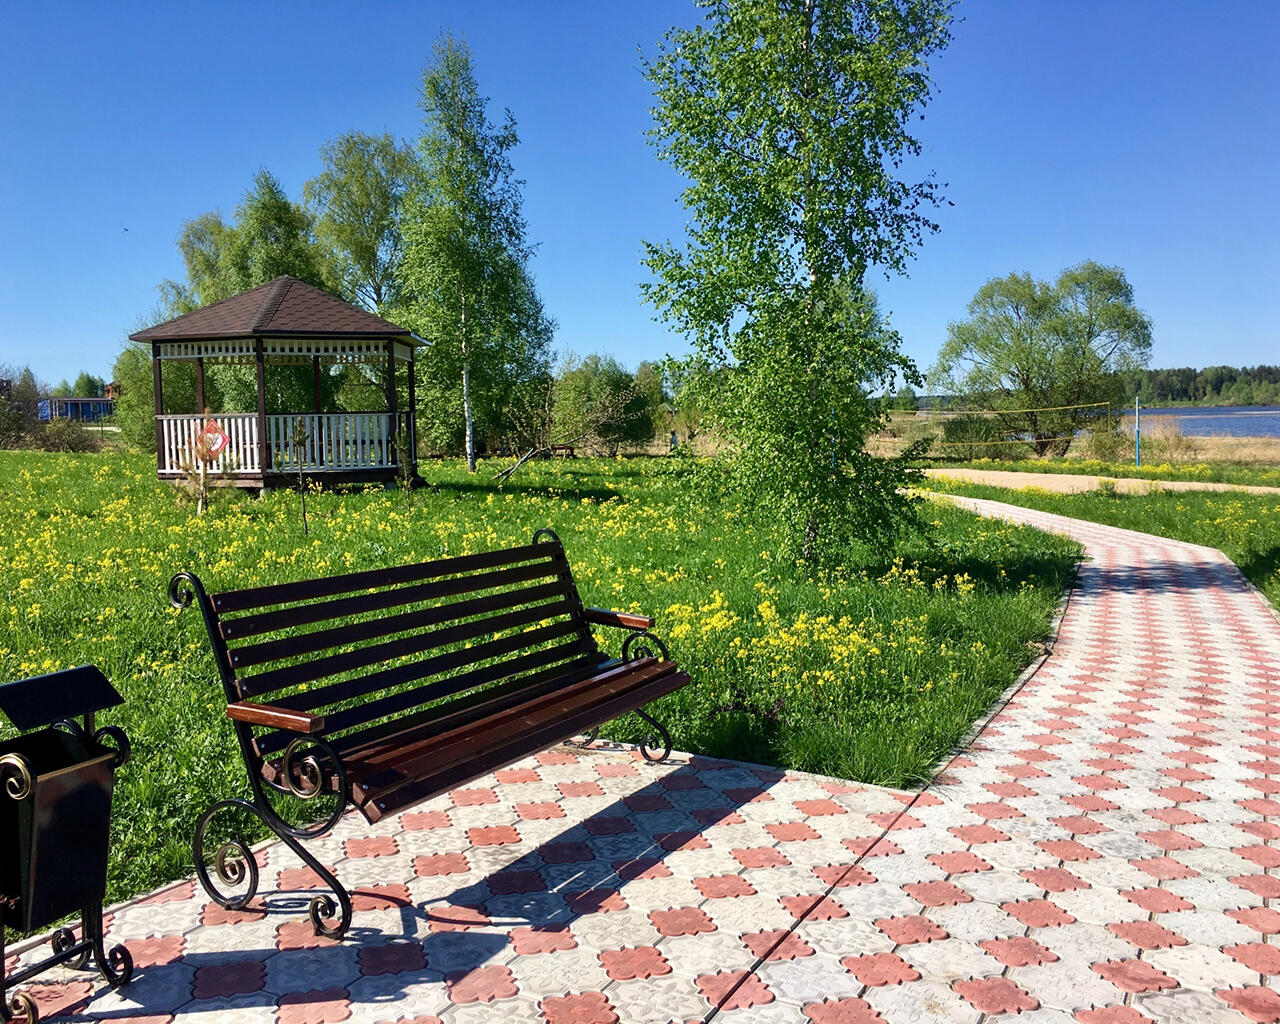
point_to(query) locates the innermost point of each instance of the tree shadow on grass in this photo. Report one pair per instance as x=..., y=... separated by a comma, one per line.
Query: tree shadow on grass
x=569, y=490
x=1261, y=566
x=992, y=574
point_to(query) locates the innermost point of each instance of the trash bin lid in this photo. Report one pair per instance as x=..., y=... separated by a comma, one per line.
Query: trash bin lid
x=42, y=700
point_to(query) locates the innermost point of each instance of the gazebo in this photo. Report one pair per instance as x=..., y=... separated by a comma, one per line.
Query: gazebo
x=286, y=322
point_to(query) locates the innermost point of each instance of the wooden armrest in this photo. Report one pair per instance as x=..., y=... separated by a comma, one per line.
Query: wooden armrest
x=276, y=718
x=626, y=620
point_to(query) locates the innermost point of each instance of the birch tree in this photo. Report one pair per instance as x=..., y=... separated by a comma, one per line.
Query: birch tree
x=791, y=122
x=465, y=265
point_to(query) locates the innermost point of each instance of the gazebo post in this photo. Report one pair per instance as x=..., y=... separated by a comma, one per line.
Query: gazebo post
x=200, y=402
x=264, y=446
x=413, y=415
x=315, y=438
x=392, y=400
x=158, y=385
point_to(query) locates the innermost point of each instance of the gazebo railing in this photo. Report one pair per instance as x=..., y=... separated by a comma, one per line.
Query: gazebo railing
x=335, y=442
x=240, y=457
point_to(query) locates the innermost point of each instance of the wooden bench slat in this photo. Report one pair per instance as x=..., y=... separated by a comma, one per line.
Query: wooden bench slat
x=369, y=751
x=558, y=665
x=563, y=659
x=248, y=626
x=367, y=765
x=375, y=654
x=304, y=590
x=509, y=740
x=372, y=629
x=367, y=746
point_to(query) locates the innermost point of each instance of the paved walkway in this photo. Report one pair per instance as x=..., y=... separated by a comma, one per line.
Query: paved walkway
x=1107, y=852
x=1075, y=483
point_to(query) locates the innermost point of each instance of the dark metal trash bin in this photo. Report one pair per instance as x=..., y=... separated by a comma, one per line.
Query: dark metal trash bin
x=55, y=822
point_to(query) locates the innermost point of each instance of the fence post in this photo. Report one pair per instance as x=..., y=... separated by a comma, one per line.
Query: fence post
x=1137, y=433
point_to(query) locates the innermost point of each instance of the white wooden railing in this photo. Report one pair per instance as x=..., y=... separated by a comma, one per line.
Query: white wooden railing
x=335, y=442
x=178, y=436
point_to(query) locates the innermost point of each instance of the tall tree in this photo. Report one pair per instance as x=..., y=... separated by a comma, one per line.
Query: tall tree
x=468, y=287
x=358, y=200
x=596, y=401
x=790, y=121
x=87, y=386
x=1037, y=353
x=20, y=410
x=272, y=235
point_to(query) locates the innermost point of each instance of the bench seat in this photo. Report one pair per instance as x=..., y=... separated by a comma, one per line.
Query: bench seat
x=384, y=688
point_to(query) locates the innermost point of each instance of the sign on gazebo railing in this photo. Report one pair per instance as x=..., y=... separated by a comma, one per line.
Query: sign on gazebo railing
x=336, y=442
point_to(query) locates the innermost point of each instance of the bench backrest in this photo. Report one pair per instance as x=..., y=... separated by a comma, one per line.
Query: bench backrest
x=373, y=650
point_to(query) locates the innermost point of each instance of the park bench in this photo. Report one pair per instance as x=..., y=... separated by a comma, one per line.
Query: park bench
x=383, y=688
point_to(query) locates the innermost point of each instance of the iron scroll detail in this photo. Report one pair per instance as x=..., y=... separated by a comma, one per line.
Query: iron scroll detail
x=18, y=778
x=113, y=738
x=642, y=645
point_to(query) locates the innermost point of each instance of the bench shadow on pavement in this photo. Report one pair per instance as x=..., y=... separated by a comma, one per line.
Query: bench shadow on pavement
x=569, y=876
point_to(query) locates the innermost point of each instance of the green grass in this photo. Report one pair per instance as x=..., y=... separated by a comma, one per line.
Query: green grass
x=1245, y=527
x=873, y=671
x=1212, y=472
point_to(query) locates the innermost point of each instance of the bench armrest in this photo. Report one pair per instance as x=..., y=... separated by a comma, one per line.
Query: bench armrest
x=276, y=718
x=624, y=620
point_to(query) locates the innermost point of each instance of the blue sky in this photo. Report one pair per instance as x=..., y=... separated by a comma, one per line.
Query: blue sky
x=1144, y=133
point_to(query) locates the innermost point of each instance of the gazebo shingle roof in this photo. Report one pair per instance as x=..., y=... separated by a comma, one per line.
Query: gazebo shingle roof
x=285, y=307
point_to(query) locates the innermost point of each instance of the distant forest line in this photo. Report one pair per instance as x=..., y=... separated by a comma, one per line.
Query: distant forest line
x=1214, y=385
x=1182, y=385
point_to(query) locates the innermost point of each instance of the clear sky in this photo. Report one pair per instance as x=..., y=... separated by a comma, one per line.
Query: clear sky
x=1143, y=133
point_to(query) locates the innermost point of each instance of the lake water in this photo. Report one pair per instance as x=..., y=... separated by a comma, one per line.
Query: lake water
x=1221, y=421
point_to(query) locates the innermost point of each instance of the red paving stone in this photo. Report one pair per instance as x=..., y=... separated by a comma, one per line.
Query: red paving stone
x=1107, y=851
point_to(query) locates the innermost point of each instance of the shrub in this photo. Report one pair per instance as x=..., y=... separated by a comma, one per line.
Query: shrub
x=1108, y=444
x=977, y=437
x=67, y=436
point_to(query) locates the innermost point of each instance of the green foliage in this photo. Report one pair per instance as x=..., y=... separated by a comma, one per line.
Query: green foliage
x=1108, y=443
x=905, y=400
x=66, y=435
x=88, y=386
x=271, y=236
x=136, y=406
x=977, y=437
x=61, y=390
x=1030, y=346
x=358, y=203
x=20, y=412
x=466, y=278
x=596, y=405
x=874, y=669
x=792, y=150
x=651, y=386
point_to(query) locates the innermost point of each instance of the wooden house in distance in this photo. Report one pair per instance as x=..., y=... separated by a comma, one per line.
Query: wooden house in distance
x=287, y=322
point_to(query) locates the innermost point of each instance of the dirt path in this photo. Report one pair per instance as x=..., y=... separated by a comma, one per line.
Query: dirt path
x=1073, y=483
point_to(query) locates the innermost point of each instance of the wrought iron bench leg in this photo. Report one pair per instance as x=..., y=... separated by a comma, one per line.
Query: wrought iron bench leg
x=234, y=865
x=663, y=737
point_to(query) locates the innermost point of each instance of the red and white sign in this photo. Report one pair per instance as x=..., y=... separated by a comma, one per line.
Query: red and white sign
x=213, y=439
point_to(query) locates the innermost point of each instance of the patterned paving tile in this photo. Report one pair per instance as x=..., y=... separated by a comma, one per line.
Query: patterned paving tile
x=1107, y=851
